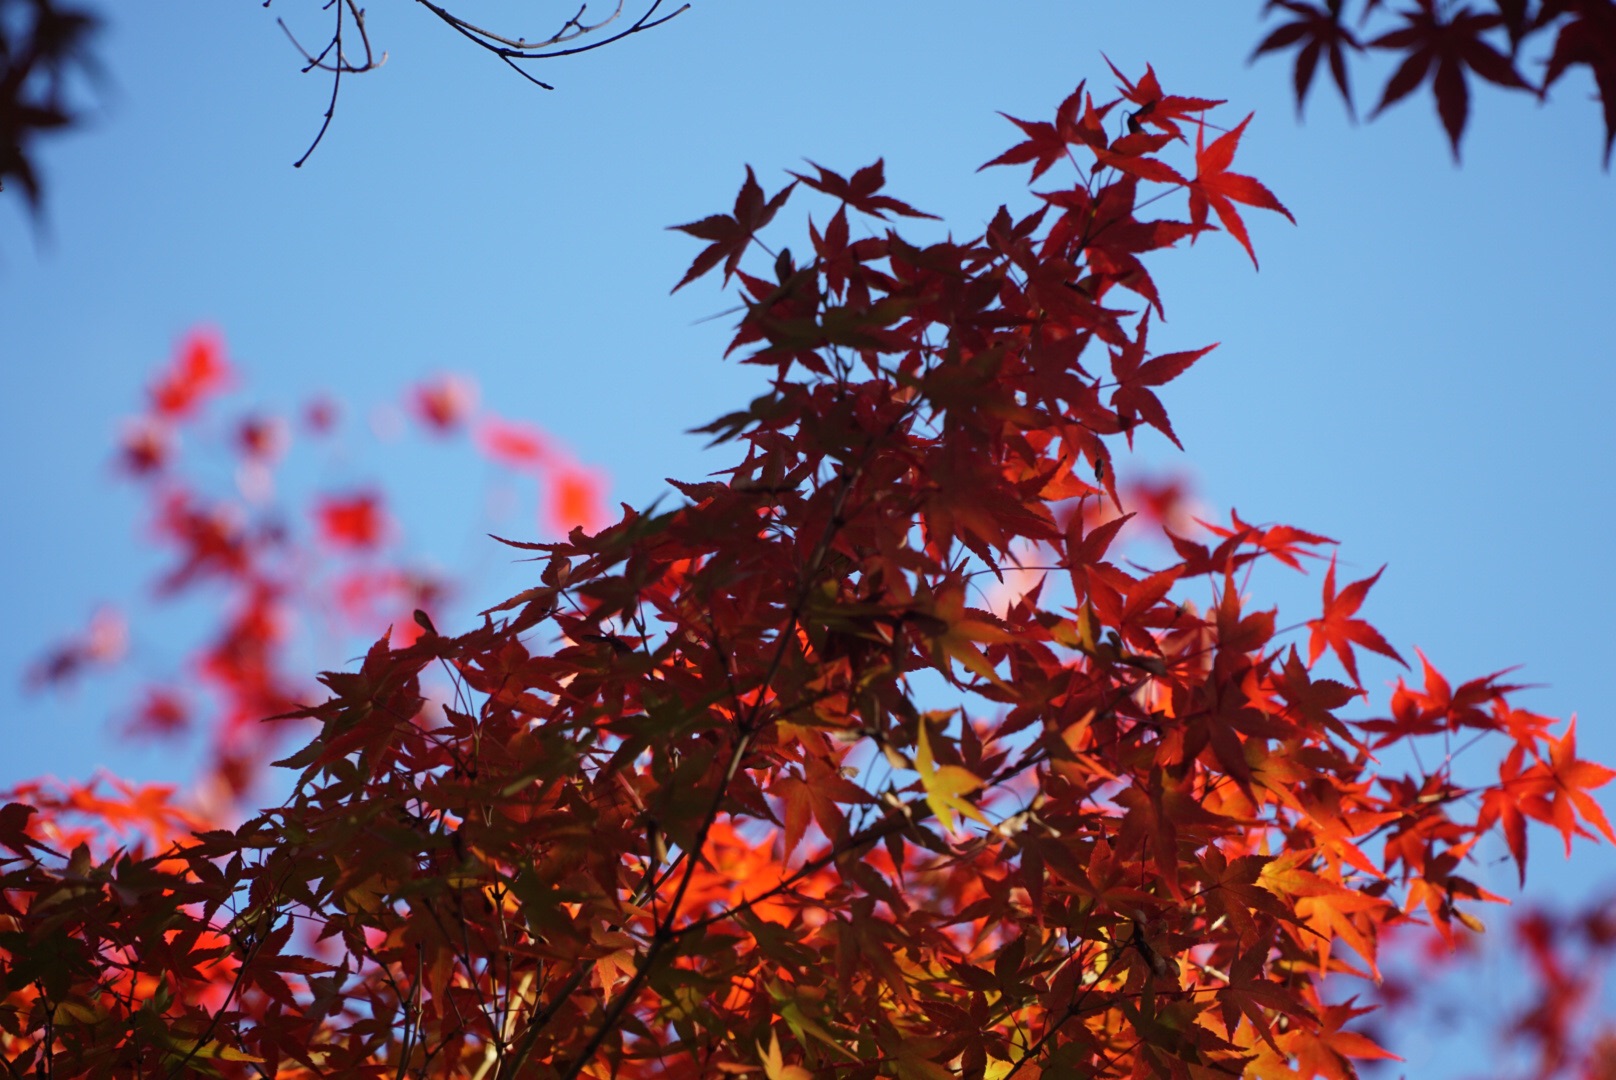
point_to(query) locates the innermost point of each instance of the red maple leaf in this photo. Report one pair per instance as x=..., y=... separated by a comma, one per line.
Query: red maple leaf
x=198, y=369
x=146, y=448
x=514, y=443
x=162, y=712
x=1284, y=542
x=1215, y=186
x=729, y=235
x=1133, y=399
x=262, y=438
x=1590, y=39
x=445, y=403
x=1572, y=778
x=1155, y=108
x=320, y=415
x=574, y=499
x=1319, y=31
x=860, y=192
x=356, y=521
x=1439, y=707
x=1076, y=124
x=1451, y=45
x=1340, y=631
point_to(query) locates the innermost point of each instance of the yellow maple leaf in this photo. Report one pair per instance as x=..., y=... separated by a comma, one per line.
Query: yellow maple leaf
x=774, y=1063
x=964, y=629
x=945, y=784
x=216, y=1051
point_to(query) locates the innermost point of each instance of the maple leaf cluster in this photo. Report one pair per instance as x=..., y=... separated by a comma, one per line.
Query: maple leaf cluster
x=1446, y=43
x=753, y=784
x=1566, y=953
x=278, y=575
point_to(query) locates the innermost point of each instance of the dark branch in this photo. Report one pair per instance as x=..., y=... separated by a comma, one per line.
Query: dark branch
x=509, y=49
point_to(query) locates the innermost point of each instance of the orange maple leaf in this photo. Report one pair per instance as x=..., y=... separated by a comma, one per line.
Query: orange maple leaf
x=1338, y=629
x=1559, y=789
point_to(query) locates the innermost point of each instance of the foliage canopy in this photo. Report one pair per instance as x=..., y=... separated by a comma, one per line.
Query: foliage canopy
x=762, y=783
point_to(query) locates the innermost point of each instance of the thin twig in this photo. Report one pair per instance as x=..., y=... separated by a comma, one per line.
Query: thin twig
x=507, y=47
x=337, y=67
x=571, y=30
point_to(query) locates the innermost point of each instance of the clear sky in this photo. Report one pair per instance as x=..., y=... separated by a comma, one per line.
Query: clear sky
x=1422, y=369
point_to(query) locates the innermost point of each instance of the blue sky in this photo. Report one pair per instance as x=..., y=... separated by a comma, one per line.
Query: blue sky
x=1421, y=369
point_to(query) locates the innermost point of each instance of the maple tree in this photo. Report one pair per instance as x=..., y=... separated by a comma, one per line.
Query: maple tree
x=875, y=756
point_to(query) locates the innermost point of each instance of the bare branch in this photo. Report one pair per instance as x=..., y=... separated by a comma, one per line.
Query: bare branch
x=564, y=41
x=521, y=49
x=338, y=63
x=573, y=29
